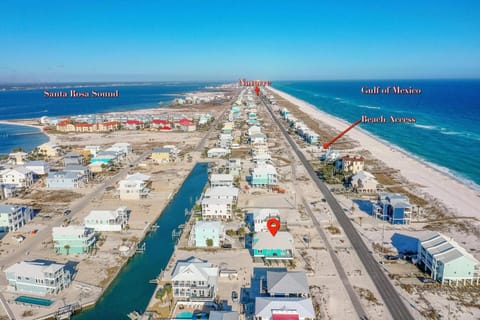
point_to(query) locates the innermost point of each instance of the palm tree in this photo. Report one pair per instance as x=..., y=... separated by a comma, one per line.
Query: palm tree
x=67, y=247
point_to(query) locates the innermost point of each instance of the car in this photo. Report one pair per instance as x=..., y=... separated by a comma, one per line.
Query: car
x=67, y=212
x=390, y=257
x=234, y=296
x=226, y=246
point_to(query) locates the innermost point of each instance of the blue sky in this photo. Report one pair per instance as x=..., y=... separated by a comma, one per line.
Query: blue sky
x=223, y=40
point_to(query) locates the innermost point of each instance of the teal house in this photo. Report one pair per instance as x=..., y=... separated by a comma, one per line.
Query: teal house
x=269, y=247
x=37, y=277
x=73, y=239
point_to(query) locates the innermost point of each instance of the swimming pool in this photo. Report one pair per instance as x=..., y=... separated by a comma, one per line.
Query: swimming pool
x=34, y=300
x=184, y=315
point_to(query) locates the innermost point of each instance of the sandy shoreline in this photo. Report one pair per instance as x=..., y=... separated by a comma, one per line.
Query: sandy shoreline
x=460, y=198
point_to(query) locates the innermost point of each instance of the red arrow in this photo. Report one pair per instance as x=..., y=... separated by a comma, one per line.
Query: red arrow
x=326, y=145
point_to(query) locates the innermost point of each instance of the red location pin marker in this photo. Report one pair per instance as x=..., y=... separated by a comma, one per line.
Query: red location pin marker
x=273, y=224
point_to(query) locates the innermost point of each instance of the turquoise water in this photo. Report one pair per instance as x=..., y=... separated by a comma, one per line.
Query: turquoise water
x=184, y=315
x=131, y=290
x=447, y=131
x=34, y=300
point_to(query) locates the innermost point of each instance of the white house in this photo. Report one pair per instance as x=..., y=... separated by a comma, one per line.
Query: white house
x=218, y=152
x=194, y=279
x=13, y=217
x=7, y=190
x=258, y=138
x=447, y=261
x=204, y=232
x=364, y=181
x=264, y=176
x=122, y=147
x=19, y=176
x=221, y=180
x=134, y=187
x=229, y=193
x=216, y=209
x=287, y=284
x=254, y=130
x=107, y=220
x=260, y=219
x=38, y=167
x=225, y=140
x=268, y=308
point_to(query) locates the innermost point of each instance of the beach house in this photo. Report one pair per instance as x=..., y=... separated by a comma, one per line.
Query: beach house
x=269, y=247
x=186, y=125
x=229, y=193
x=254, y=130
x=223, y=315
x=63, y=180
x=364, y=182
x=8, y=190
x=393, y=207
x=258, y=138
x=48, y=150
x=261, y=217
x=107, y=220
x=74, y=158
x=37, y=277
x=83, y=171
x=287, y=284
x=73, y=239
x=133, y=124
x=225, y=140
x=446, y=261
x=234, y=166
x=17, y=158
x=353, y=164
x=221, y=180
x=13, y=217
x=279, y=308
x=264, y=176
x=21, y=177
x=161, y=155
x=218, y=152
x=216, y=209
x=93, y=150
x=134, y=187
x=194, y=279
x=39, y=167
x=121, y=147
x=207, y=234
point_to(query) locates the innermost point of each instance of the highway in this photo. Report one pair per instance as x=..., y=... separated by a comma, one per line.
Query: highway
x=390, y=296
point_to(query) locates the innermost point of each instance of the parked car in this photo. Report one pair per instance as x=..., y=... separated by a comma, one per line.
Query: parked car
x=234, y=296
x=67, y=212
x=390, y=257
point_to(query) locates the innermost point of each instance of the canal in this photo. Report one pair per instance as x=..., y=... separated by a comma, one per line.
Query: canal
x=131, y=290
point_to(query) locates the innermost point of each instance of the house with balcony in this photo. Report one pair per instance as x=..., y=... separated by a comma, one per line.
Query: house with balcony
x=83, y=171
x=268, y=247
x=221, y=180
x=234, y=166
x=64, y=180
x=20, y=176
x=446, y=261
x=161, y=155
x=13, y=217
x=264, y=176
x=48, y=150
x=121, y=147
x=225, y=140
x=134, y=187
x=107, y=220
x=37, y=277
x=73, y=239
x=38, y=167
x=287, y=284
x=194, y=279
x=229, y=193
x=74, y=158
x=8, y=190
x=393, y=207
x=216, y=209
x=353, y=164
x=218, y=152
x=364, y=182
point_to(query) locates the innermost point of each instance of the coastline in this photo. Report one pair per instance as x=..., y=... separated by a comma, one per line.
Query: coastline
x=457, y=195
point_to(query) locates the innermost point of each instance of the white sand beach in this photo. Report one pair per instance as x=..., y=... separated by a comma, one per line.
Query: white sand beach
x=459, y=198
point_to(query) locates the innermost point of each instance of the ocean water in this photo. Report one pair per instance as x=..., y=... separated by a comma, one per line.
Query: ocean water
x=29, y=101
x=13, y=136
x=447, y=112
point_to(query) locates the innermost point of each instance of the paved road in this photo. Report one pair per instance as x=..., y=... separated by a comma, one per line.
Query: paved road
x=213, y=127
x=31, y=242
x=390, y=296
